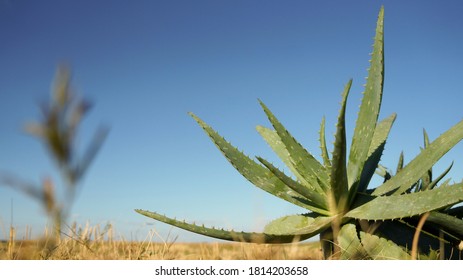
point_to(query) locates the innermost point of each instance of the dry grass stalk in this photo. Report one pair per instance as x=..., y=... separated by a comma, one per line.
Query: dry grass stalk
x=416, y=237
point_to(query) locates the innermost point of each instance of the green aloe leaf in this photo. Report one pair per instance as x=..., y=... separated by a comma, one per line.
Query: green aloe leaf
x=229, y=235
x=315, y=201
x=273, y=140
x=382, y=249
x=369, y=108
x=426, y=178
x=438, y=179
x=413, y=171
x=306, y=165
x=408, y=205
x=400, y=164
x=450, y=223
x=381, y=134
x=425, y=138
x=254, y=172
x=299, y=225
x=338, y=179
x=375, y=152
x=349, y=242
x=323, y=147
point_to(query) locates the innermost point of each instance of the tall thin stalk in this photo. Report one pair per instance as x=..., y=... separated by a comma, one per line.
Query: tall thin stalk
x=57, y=130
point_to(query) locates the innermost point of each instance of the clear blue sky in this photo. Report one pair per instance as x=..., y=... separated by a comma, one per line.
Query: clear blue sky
x=145, y=64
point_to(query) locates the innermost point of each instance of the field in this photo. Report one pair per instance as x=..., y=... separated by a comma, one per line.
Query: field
x=100, y=243
x=121, y=250
x=413, y=214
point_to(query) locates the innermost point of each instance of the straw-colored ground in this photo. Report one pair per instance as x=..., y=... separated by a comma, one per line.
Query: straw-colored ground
x=118, y=250
x=96, y=243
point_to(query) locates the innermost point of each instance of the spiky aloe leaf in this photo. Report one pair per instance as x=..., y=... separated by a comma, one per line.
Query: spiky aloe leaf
x=315, y=201
x=413, y=171
x=254, y=172
x=306, y=165
x=425, y=138
x=251, y=237
x=381, y=133
x=369, y=108
x=338, y=178
x=349, y=242
x=427, y=176
x=273, y=140
x=298, y=225
x=324, y=149
x=400, y=164
x=450, y=223
x=408, y=205
x=438, y=179
x=374, y=153
x=382, y=249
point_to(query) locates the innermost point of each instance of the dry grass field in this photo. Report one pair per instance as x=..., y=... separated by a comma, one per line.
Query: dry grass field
x=93, y=243
x=121, y=250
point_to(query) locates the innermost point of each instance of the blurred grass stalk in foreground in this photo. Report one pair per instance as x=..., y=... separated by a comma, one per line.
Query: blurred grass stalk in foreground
x=57, y=130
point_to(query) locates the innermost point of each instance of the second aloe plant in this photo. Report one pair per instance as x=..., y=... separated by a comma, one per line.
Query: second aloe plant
x=336, y=192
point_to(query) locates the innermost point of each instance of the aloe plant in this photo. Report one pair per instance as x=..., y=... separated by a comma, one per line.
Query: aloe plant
x=336, y=191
